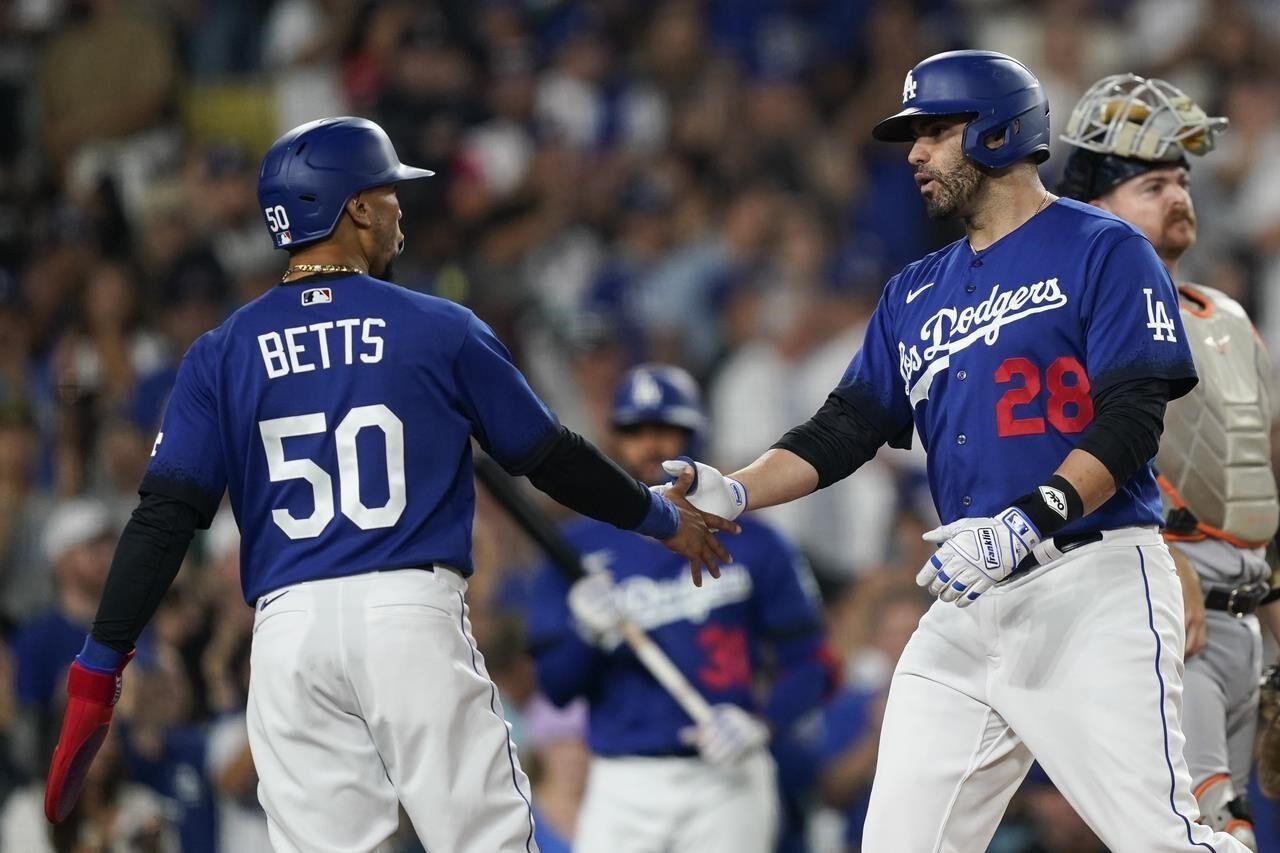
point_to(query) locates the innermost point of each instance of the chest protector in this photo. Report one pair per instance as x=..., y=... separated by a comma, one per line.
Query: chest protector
x=1215, y=457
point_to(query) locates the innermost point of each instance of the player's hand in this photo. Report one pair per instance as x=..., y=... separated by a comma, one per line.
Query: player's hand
x=1194, y=622
x=695, y=537
x=595, y=611
x=976, y=554
x=91, y=698
x=710, y=491
x=730, y=735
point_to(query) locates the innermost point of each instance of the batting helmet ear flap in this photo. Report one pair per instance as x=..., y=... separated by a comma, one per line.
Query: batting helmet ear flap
x=308, y=175
x=995, y=89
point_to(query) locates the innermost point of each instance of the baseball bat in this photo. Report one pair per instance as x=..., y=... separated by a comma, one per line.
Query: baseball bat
x=535, y=523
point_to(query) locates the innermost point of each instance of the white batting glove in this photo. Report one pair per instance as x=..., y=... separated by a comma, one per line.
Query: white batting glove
x=730, y=735
x=711, y=492
x=595, y=611
x=976, y=554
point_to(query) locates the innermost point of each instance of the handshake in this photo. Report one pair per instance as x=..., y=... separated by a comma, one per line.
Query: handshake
x=705, y=501
x=710, y=492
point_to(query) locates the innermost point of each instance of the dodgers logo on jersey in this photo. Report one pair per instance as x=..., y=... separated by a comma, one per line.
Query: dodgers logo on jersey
x=950, y=330
x=652, y=603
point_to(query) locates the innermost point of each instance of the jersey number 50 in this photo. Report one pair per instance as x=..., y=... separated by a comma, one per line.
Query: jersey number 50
x=366, y=518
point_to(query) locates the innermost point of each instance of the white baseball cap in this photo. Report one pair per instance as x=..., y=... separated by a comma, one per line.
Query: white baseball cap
x=74, y=522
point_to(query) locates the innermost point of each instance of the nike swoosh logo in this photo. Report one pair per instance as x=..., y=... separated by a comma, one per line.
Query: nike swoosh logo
x=270, y=601
x=919, y=290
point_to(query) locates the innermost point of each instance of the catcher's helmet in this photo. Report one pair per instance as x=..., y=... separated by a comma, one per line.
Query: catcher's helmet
x=1125, y=125
x=659, y=394
x=1000, y=94
x=309, y=174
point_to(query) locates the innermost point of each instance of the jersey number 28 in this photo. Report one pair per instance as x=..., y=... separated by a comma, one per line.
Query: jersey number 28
x=366, y=518
x=1069, y=407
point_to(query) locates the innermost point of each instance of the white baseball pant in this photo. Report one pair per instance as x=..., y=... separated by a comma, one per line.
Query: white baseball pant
x=1077, y=664
x=678, y=805
x=367, y=692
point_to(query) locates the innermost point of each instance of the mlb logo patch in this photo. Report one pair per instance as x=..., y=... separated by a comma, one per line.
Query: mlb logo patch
x=317, y=296
x=284, y=238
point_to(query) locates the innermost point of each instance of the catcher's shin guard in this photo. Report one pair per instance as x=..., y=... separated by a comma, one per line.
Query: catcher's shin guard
x=1223, y=810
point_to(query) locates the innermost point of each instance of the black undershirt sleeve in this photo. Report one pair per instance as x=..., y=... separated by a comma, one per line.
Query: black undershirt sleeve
x=1128, y=420
x=146, y=561
x=836, y=441
x=573, y=472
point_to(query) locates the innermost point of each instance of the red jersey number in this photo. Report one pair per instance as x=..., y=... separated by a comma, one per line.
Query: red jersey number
x=1069, y=407
x=727, y=664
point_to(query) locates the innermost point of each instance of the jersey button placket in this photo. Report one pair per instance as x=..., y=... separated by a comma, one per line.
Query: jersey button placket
x=966, y=501
x=961, y=439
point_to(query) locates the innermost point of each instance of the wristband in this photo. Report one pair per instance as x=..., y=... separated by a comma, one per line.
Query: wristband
x=1052, y=506
x=99, y=657
x=661, y=521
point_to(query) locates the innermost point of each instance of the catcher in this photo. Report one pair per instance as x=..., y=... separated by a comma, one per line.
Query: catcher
x=1131, y=138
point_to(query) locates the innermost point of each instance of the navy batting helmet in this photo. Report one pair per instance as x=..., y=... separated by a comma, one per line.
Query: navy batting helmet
x=309, y=174
x=1003, y=98
x=659, y=394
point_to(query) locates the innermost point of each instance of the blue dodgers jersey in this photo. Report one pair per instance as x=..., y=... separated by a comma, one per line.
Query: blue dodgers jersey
x=714, y=634
x=338, y=414
x=993, y=356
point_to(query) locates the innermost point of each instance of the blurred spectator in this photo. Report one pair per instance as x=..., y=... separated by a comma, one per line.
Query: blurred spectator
x=854, y=718
x=242, y=824
x=26, y=584
x=113, y=815
x=78, y=537
x=106, y=86
x=301, y=41
x=690, y=180
x=557, y=765
x=165, y=753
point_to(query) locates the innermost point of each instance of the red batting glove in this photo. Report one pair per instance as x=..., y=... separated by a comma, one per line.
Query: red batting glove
x=91, y=698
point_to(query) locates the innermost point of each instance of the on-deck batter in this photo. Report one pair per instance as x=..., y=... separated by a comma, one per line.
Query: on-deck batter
x=1034, y=358
x=338, y=410
x=658, y=784
x=1131, y=139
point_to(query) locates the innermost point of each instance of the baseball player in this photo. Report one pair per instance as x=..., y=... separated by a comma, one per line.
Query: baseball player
x=337, y=410
x=657, y=783
x=1131, y=139
x=1034, y=358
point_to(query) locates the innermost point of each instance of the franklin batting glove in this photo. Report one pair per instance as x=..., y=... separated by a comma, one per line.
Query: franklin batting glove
x=976, y=554
x=711, y=492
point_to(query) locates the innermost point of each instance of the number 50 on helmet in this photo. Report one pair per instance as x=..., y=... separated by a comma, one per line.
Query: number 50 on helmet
x=309, y=174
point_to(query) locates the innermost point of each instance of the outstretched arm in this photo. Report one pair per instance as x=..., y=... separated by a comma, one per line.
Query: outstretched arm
x=777, y=477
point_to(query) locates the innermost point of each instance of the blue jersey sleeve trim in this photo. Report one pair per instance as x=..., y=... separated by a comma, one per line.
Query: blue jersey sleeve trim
x=661, y=521
x=99, y=657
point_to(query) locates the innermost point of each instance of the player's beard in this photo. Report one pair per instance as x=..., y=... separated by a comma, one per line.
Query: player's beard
x=953, y=190
x=1175, y=236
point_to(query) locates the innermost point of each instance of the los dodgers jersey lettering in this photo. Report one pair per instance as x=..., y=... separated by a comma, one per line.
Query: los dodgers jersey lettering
x=338, y=414
x=993, y=357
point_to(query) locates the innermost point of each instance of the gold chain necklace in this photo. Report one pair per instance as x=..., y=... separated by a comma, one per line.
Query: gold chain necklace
x=1047, y=196
x=319, y=268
